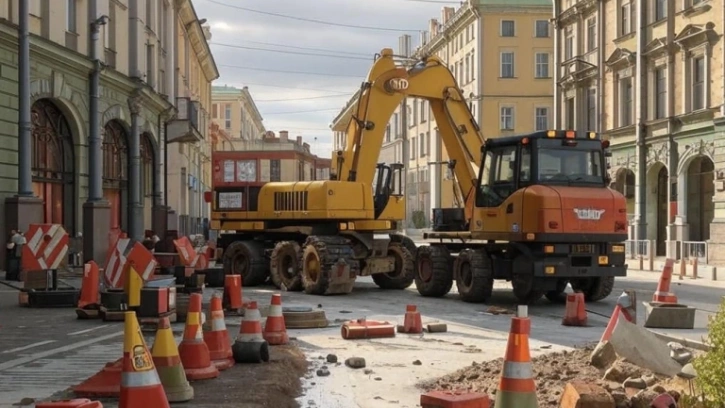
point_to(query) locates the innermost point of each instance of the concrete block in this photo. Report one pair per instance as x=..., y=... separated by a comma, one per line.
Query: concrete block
x=603, y=355
x=643, y=348
x=668, y=316
x=578, y=394
x=449, y=399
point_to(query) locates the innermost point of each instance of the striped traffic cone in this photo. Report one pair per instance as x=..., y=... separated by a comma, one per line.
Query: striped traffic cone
x=517, y=388
x=624, y=303
x=140, y=383
x=250, y=345
x=275, y=331
x=217, y=339
x=663, y=294
x=168, y=364
x=193, y=351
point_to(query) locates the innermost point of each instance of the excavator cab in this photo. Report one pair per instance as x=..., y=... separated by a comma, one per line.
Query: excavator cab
x=388, y=183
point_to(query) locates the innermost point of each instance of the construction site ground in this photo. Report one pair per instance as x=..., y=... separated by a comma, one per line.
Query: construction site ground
x=45, y=351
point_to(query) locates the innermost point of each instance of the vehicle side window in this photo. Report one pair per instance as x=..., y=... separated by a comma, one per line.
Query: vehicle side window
x=525, y=175
x=497, y=176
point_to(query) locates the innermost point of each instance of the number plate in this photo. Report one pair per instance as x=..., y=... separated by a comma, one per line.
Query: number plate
x=230, y=200
x=582, y=248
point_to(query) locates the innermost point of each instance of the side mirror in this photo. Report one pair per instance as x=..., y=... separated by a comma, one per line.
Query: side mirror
x=607, y=179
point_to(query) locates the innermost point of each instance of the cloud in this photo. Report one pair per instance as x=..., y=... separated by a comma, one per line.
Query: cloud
x=279, y=95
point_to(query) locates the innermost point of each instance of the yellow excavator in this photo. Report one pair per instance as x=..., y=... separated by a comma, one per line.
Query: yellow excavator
x=320, y=235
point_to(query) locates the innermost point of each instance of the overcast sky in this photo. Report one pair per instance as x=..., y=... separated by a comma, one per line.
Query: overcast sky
x=242, y=38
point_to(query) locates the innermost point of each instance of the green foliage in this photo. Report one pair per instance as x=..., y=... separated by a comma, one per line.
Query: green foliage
x=419, y=220
x=710, y=367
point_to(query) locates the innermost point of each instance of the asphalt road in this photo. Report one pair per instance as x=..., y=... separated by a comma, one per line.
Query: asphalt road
x=43, y=351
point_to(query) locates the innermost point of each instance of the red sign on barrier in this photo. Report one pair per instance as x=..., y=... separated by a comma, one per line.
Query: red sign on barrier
x=46, y=248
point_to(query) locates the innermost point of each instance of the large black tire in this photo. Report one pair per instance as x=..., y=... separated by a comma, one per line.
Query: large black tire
x=523, y=281
x=404, y=273
x=407, y=243
x=319, y=260
x=246, y=258
x=284, y=266
x=594, y=289
x=473, y=271
x=558, y=295
x=434, y=272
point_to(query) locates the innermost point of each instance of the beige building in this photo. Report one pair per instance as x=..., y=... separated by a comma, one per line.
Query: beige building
x=189, y=132
x=659, y=73
x=235, y=112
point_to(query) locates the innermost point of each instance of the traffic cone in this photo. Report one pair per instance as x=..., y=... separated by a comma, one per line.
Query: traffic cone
x=250, y=345
x=663, y=294
x=275, y=331
x=233, y=294
x=412, y=322
x=217, y=339
x=140, y=383
x=620, y=309
x=168, y=364
x=576, y=312
x=89, y=302
x=193, y=351
x=517, y=388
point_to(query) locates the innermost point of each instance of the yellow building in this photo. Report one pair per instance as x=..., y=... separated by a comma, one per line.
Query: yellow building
x=235, y=112
x=659, y=71
x=189, y=154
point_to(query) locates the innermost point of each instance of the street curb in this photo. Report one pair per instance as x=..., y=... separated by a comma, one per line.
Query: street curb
x=694, y=344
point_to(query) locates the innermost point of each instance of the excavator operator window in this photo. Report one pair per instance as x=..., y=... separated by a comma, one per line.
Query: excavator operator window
x=497, y=179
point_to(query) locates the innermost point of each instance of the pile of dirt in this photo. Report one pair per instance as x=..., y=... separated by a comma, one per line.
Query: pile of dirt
x=552, y=372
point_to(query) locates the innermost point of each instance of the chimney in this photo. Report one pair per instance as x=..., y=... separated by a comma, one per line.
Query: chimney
x=299, y=140
x=433, y=27
x=423, y=38
x=269, y=134
x=206, y=28
x=283, y=135
x=404, y=45
x=446, y=14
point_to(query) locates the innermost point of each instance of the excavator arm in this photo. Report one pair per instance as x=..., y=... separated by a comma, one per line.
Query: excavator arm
x=387, y=84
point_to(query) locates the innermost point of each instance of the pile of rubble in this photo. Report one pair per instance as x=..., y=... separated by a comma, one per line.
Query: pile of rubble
x=613, y=374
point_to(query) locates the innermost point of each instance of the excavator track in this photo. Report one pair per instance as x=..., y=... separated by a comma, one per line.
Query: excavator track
x=328, y=265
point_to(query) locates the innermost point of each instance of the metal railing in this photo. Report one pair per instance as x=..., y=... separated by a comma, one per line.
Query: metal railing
x=694, y=250
x=636, y=248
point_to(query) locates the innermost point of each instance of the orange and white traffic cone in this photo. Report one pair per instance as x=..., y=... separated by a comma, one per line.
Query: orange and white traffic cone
x=517, y=388
x=89, y=302
x=663, y=294
x=232, y=301
x=624, y=303
x=193, y=351
x=412, y=323
x=168, y=364
x=576, y=312
x=250, y=345
x=140, y=383
x=217, y=339
x=275, y=331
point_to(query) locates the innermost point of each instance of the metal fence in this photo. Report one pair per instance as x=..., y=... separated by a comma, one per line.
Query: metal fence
x=636, y=248
x=694, y=250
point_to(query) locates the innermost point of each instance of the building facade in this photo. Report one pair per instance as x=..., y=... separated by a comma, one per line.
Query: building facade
x=136, y=46
x=235, y=111
x=660, y=76
x=189, y=131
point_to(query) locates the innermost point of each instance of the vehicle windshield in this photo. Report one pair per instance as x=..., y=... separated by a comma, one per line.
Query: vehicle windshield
x=569, y=166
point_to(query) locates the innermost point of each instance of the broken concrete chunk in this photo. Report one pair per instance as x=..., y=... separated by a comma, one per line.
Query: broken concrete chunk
x=323, y=372
x=437, y=328
x=579, y=394
x=355, y=362
x=649, y=379
x=603, y=355
x=620, y=371
x=417, y=362
x=683, y=357
x=687, y=372
x=621, y=400
x=643, y=348
x=331, y=358
x=643, y=399
x=635, y=382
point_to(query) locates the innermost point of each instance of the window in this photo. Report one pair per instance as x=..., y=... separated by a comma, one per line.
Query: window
x=415, y=113
x=591, y=34
x=472, y=67
x=275, y=170
x=542, y=29
x=423, y=111
x=507, y=28
x=387, y=133
x=467, y=69
x=569, y=164
x=71, y=16
x=497, y=176
x=626, y=97
x=660, y=82
x=542, y=65
x=569, y=112
x=228, y=117
x=150, y=64
x=698, y=83
x=413, y=145
x=214, y=110
x=592, y=109
x=660, y=10
x=625, y=18
x=427, y=142
x=507, y=65
x=396, y=125
x=542, y=119
x=569, y=46
x=507, y=118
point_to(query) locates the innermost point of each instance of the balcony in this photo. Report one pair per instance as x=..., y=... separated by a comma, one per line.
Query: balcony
x=189, y=124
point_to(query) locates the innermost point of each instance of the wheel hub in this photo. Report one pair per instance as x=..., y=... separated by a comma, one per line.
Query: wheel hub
x=287, y=267
x=425, y=270
x=312, y=267
x=466, y=275
x=240, y=265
